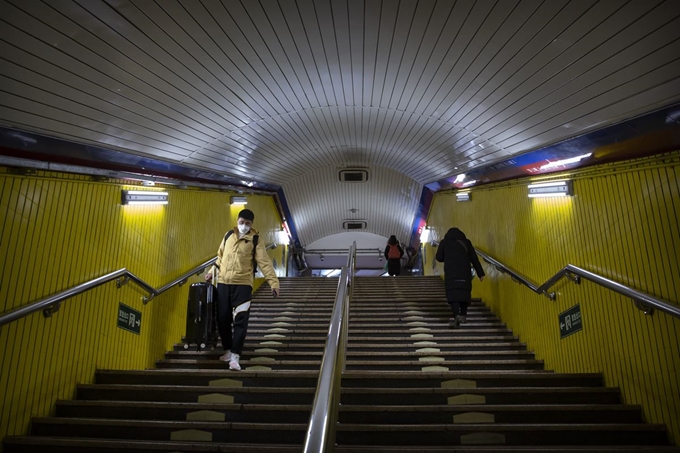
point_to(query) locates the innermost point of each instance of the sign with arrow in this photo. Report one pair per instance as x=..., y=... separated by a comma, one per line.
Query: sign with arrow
x=570, y=321
x=129, y=318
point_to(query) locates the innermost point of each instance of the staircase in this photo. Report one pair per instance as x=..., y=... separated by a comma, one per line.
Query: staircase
x=414, y=384
x=192, y=402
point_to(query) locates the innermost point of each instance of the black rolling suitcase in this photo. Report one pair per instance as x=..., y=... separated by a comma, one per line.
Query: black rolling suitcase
x=202, y=316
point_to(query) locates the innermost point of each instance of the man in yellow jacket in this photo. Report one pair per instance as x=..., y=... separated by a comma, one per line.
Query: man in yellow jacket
x=235, y=263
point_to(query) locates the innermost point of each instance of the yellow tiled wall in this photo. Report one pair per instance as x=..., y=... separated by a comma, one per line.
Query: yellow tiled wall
x=622, y=223
x=60, y=230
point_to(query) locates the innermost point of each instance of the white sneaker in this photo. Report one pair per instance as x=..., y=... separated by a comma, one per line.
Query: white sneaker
x=459, y=320
x=463, y=319
x=233, y=362
x=226, y=357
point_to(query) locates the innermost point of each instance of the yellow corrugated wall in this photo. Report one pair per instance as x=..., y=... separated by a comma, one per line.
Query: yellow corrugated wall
x=622, y=223
x=59, y=230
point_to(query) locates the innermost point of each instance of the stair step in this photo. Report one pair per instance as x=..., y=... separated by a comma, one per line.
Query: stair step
x=452, y=346
x=485, y=395
x=472, y=364
x=508, y=414
x=378, y=356
x=194, y=393
x=295, y=364
x=476, y=380
x=44, y=444
x=277, y=433
x=250, y=347
x=502, y=434
x=505, y=449
x=453, y=336
x=215, y=378
x=214, y=355
x=168, y=411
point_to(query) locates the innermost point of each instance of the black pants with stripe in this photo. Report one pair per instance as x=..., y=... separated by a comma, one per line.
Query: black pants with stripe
x=229, y=298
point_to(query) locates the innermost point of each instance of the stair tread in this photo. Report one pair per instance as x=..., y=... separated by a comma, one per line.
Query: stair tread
x=185, y=405
x=172, y=424
x=197, y=388
x=121, y=444
x=392, y=390
x=463, y=374
x=484, y=427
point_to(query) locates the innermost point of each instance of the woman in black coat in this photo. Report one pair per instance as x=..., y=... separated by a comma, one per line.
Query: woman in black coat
x=457, y=254
x=393, y=254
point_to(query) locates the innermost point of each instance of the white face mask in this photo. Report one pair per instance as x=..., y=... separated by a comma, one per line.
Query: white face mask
x=243, y=228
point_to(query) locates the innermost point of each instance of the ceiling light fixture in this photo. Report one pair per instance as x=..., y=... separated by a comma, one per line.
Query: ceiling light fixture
x=239, y=200
x=564, y=162
x=551, y=189
x=143, y=197
x=463, y=196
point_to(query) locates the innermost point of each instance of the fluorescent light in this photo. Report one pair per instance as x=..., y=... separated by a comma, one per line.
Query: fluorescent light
x=144, y=197
x=551, y=189
x=459, y=178
x=282, y=237
x=425, y=235
x=469, y=183
x=239, y=200
x=564, y=162
x=463, y=196
x=548, y=184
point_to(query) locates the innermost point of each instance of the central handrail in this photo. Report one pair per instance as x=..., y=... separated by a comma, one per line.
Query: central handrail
x=51, y=304
x=320, y=435
x=643, y=302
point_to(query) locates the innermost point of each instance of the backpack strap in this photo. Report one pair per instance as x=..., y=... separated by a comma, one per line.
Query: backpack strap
x=256, y=238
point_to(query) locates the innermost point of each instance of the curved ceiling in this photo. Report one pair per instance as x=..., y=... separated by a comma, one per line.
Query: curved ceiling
x=278, y=91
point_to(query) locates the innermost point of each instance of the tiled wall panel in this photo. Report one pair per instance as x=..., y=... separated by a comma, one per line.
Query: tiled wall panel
x=621, y=223
x=60, y=230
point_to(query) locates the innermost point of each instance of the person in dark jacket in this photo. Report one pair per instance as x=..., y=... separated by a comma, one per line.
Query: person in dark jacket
x=457, y=254
x=393, y=254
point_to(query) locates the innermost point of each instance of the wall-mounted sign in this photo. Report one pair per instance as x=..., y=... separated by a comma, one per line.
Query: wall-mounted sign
x=129, y=318
x=570, y=321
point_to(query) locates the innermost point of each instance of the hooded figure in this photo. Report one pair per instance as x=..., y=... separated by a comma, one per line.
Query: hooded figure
x=458, y=254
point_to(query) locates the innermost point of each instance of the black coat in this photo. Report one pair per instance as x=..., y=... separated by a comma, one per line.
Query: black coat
x=457, y=254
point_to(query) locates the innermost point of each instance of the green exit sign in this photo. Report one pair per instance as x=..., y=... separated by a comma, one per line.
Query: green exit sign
x=570, y=321
x=129, y=318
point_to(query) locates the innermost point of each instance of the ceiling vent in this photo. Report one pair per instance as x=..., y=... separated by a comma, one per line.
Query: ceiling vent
x=353, y=175
x=354, y=225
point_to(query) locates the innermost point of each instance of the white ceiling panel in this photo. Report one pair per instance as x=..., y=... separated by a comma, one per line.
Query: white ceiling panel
x=280, y=91
x=387, y=202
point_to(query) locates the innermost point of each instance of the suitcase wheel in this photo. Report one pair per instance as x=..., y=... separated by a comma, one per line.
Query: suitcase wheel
x=186, y=346
x=202, y=345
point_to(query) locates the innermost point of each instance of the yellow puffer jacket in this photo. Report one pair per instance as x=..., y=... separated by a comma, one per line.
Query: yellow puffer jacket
x=235, y=260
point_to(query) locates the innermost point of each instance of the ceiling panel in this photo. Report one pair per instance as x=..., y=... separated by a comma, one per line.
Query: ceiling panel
x=387, y=202
x=275, y=91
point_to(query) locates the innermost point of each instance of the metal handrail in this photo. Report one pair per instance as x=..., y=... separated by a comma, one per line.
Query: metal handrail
x=51, y=304
x=320, y=435
x=644, y=302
